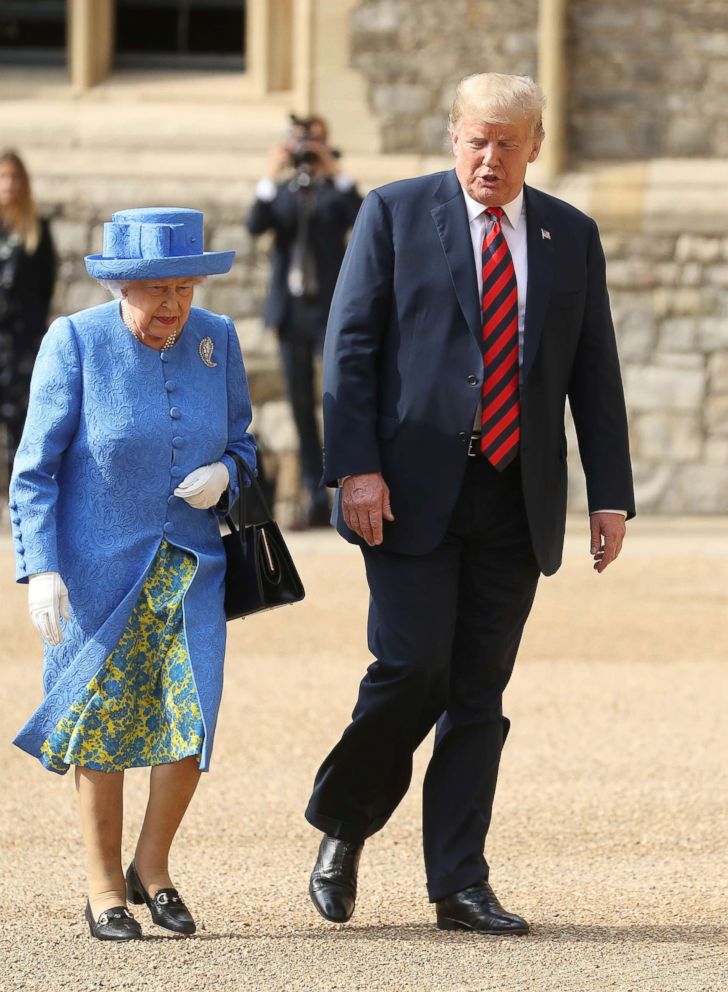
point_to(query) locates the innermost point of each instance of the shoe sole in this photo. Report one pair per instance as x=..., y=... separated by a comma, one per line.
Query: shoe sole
x=117, y=940
x=174, y=933
x=448, y=924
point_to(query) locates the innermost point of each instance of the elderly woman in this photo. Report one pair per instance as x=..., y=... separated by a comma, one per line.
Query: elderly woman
x=123, y=468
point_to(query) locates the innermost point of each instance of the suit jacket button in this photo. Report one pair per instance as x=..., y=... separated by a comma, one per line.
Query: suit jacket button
x=462, y=436
x=472, y=380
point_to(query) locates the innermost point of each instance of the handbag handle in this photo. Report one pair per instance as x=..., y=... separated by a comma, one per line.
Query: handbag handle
x=242, y=514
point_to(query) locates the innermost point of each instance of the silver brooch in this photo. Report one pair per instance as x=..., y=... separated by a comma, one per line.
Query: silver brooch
x=206, y=348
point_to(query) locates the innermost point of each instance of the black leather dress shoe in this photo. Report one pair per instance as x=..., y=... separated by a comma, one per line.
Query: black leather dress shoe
x=116, y=923
x=333, y=879
x=167, y=909
x=477, y=908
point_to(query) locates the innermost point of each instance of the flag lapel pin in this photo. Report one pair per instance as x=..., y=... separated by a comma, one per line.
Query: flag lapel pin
x=546, y=235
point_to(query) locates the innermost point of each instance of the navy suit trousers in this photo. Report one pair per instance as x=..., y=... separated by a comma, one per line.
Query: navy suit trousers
x=444, y=629
x=301, y=337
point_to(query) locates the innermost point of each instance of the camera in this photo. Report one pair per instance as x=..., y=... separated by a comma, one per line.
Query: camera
x=302, y=157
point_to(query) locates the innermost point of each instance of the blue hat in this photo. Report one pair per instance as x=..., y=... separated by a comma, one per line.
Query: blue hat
x=156, y=243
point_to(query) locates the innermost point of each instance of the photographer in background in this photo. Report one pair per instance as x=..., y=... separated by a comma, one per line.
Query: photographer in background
x=310, y=205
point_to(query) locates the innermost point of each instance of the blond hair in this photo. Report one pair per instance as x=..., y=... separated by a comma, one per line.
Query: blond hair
x=495, y=98
x=21, y=217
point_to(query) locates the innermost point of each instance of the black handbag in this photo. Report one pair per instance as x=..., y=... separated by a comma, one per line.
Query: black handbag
x=260, y=573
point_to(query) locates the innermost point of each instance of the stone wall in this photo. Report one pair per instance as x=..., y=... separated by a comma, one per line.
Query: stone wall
x=648, y=80
x=669, y=297
x=413, y=54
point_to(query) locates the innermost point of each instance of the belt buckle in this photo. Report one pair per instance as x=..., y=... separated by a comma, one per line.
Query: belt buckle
x=474, y=445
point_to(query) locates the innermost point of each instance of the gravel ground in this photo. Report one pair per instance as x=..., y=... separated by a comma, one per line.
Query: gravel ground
x=610, y=824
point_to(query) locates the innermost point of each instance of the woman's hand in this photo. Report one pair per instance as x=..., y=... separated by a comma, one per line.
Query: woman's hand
x=48, y=602
x=204, y=487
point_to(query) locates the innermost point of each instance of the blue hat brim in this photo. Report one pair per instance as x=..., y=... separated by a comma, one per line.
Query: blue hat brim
x=210, y=263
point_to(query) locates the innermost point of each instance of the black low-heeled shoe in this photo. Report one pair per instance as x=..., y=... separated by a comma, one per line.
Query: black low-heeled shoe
x=167, y=908
x=116, y=923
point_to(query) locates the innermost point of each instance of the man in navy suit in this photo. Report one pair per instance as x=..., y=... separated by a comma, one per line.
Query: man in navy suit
x=468, y=308
x=310, y=209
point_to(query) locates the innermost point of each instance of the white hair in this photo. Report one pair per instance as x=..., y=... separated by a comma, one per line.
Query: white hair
x=496, y=98
x=113, y=286
x=117, y=286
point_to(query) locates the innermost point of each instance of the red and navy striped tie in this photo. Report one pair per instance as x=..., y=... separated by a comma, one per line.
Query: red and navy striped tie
x=501, y=430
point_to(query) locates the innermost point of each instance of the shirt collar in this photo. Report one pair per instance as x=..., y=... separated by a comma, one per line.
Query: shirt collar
x=513, y=210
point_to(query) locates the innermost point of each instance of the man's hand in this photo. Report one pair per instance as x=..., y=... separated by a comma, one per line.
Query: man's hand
x=279, y=158
x=365, y=502
x=607, y=534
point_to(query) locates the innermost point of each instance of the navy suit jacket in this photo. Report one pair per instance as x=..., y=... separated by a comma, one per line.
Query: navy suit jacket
x=403, y=366
x=335, y=213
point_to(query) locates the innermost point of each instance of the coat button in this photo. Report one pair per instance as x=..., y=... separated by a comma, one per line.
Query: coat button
x=175, y=471
x=164, y=356
x=167, y=527
x=169, y=385
x=174, y=413
x=177, y=442
x=171, y=499
x=472, y=380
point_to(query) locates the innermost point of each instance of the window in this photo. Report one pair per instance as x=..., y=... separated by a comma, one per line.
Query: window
x=181, y=33
x=33, y=32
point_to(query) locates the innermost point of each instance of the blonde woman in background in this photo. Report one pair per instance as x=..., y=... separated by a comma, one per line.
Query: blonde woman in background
x=27, y=277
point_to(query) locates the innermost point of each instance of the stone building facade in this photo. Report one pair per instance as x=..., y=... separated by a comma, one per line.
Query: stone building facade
x=396, y=45
x=648, y=80
x=644, y=81
x=637, y=136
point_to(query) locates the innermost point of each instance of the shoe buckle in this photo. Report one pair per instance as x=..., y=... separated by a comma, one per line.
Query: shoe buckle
x=162, y=899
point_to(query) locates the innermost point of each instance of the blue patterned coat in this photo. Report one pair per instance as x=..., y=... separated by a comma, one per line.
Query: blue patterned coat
x=113, y=427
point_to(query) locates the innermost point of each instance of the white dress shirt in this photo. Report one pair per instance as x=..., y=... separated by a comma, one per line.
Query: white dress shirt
x=266, y=190
x=513, y=225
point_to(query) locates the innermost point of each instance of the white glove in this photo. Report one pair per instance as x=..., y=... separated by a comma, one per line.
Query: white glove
x=48, y=602
x=204, y=487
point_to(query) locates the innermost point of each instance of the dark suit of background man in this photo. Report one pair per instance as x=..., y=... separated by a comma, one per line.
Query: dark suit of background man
x=456, y=520
x=310, y=212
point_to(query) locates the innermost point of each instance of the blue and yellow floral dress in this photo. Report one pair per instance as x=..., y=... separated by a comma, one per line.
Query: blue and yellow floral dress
x=142, y=707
